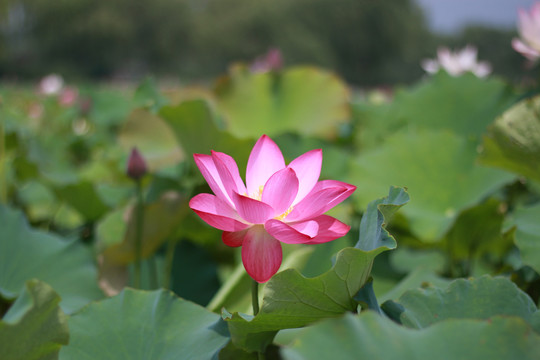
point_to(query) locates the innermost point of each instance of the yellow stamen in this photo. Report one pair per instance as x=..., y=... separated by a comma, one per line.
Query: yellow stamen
x=282, y=216
x=258, y=196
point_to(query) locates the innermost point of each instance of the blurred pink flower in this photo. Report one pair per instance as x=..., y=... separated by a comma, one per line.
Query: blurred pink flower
x=271, y=61
x=68, y=96
x=51, y=84
x=529, y=31
x=277, y=204
x=457, y=63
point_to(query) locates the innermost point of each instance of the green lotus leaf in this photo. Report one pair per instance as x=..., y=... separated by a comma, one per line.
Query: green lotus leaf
x=527, y=234
x=144, y=325
x=477, y=298
x=439, y=170
x=306, y=100
x=465, y=105
x=194, y=126
x=25, y=253
x=34, y=328
x=513, y=141
x=370, y=336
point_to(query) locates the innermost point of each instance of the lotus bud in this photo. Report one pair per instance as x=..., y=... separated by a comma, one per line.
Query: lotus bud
x=136, y=167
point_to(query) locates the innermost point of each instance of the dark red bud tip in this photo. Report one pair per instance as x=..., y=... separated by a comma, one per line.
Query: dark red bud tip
x=136, y=167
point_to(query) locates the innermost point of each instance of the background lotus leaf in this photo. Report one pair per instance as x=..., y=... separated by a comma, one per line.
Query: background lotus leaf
x=25, y=253
x=305, y=99
x=34, y=328
x=144, y=325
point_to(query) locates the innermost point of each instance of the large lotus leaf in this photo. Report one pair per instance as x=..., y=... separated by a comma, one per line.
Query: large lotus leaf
x=153, y=137
x=145, y=325
x=513, y=141
x=149, y=96
x=292, y=300
x=109, y=107
x=84, y=198
x=306, y=100
x=418, y=278
x=370, y=336
x=405, y=260
x=437, y=167
x=477, y=298
x=195, y=128
x=34, y=328
x=116, y=235
x=38, y=200
x=527, y=234
x=25, y=254
x=465, y=105
x=475, y=235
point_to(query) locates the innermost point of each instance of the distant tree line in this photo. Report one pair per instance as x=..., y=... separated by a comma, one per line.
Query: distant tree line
x=368, y=42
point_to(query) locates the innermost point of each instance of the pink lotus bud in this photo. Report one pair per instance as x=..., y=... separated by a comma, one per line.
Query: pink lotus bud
x=136, y=167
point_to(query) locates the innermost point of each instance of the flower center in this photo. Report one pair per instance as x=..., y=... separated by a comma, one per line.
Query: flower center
x=258, y=196
x=284, y=215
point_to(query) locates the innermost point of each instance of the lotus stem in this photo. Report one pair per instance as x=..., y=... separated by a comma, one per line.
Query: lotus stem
x=3, y=175
x=169, y=259
x=139, y=226
x=255, y=297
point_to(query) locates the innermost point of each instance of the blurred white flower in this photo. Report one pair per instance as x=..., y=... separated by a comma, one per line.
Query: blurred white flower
x=51, y=84
x=529, y=31
x=457, y=63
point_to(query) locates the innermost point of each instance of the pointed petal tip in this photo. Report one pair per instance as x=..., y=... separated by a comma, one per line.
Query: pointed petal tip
x=216, y=212
x=197, y=157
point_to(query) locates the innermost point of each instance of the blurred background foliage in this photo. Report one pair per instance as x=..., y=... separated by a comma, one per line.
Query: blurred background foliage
x=367, y=42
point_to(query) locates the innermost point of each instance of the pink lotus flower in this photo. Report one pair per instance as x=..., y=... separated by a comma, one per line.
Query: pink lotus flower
x=529, y=30
x=458, y=62
x=271, y=61
x=278, y=204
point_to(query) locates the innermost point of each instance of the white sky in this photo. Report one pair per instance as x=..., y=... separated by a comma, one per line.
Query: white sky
x=451, y=15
